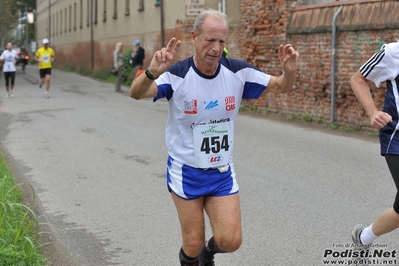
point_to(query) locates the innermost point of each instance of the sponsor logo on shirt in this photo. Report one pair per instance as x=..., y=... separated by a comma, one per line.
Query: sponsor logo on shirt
x=190, y=107
x=212, y=121
x=214, y=159
x=230, y=103
x=212, y=105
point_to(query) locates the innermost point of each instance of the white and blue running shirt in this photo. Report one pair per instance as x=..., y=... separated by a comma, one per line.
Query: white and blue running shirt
x=384, y=66
x=9, y=58
x=197, y=99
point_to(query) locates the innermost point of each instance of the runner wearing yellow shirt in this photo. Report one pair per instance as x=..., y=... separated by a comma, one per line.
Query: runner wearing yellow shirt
x=45, y=56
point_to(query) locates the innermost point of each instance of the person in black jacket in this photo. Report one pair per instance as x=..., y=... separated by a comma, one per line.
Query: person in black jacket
x=136, y=61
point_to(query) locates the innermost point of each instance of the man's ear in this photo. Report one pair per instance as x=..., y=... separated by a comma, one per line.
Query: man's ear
x=193, y=37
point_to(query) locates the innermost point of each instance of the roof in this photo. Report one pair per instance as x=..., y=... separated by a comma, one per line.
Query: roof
x=355, y=15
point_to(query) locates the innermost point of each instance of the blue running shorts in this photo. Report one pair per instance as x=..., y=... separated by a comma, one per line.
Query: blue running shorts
x=190, y=183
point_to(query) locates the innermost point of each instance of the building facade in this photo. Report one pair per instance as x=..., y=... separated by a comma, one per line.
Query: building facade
x=85, y=32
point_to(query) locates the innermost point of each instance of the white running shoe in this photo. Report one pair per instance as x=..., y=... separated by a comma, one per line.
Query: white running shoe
x=358, y=246
x=7, y=96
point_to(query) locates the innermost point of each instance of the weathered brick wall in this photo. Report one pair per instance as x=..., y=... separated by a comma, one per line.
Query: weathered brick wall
x=264, y=25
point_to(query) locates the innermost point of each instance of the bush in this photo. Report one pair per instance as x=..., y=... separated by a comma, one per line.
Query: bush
x=104, y=73
x=127, y=77
x=69, y=68
x=101, y=74
x=85, y=71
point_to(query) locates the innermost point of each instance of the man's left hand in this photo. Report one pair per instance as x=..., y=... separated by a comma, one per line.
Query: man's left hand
x=289, y=58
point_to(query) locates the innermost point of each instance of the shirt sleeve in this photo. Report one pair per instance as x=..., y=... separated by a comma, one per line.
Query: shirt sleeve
x=164, y=87
x=383, y=65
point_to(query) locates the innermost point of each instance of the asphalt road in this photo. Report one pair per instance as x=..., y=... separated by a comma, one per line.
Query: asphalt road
x=96, y=160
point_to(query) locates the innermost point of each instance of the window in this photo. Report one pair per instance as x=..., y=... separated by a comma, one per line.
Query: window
x=127, y=8
x=61, y=22
x=95, y=11
x=115, y=9
x=105, y=11
x=66, y=21
x=157, y=2
x=88, y=13
x=70, y=18
x=81, y=14
x=141, y=6
x=57, y=29
x=74, y=16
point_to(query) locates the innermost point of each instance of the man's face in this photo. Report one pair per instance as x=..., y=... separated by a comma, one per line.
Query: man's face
x=45, y=45
x=210, y=41
x=9, y=46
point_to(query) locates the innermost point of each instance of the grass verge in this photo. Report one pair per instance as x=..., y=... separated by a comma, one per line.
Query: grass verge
x=19, y=226
x=104, y=74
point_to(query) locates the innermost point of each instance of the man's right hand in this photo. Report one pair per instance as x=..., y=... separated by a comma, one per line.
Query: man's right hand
x=163, y=58
x=380, y=119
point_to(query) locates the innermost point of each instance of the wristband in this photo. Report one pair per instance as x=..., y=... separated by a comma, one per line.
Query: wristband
x=149, y=75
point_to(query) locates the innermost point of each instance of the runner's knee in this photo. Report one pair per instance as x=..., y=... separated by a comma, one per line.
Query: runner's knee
x=192, y=244
x=229, y=242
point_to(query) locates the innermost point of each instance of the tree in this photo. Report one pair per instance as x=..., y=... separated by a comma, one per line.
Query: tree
x=10, y=12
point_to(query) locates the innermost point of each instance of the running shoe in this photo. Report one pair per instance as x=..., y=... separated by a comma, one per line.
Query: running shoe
x=203, y=261
x=358, y=245
x=356, y=231
x=46, y=95
x=7, y=96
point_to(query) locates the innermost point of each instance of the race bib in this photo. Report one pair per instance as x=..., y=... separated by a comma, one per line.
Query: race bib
x=9, y=63
x=46, y=58
x=213, y=144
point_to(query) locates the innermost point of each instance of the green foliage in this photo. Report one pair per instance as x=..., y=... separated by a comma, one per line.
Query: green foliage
x=85, y=71
x=69, y=68
x=307, y=118
x=127, y=77
x=110, y=79
x=104, y=74
x=10, y=12
x=101, y=74
x=335, y=125
x=254, y=109
x=18, y=226
x=354, y=128
x=374, y=132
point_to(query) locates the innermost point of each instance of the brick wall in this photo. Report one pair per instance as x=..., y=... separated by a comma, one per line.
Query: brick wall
x=265, y=25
